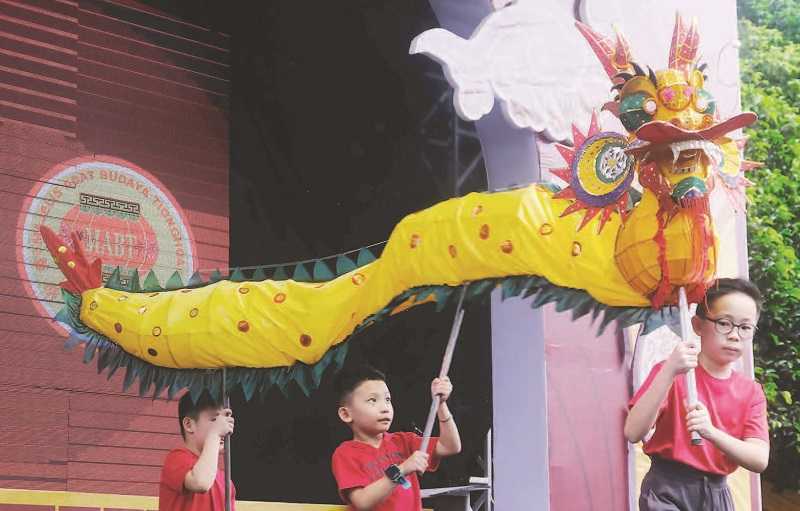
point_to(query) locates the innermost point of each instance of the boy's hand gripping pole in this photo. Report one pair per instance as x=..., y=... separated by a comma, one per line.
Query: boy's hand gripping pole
x=448, y=357
x=691, y=384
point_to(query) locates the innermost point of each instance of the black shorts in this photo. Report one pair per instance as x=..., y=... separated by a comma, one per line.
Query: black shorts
x=673, y=486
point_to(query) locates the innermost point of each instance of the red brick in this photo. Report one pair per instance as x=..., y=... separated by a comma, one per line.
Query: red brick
x=20, y=507
x=33, y=484
x=33, y=470
x=106, y=438
x=114, y=472
x=121, y=455
x=123, y=422
x=117, y=487
x=123, y=405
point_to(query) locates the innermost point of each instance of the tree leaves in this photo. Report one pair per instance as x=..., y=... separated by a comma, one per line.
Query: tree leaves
x=770, y=65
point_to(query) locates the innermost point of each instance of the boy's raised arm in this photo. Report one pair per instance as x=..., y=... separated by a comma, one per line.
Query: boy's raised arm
x=202, y=476
x=449, y=440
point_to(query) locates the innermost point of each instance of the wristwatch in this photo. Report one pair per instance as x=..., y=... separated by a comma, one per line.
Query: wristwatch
x=396, y=476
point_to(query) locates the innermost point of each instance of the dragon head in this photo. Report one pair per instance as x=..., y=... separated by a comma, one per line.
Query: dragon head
x=672, y=120
x=678, y=147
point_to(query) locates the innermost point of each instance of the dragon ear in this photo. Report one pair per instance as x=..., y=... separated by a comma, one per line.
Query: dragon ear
x=599, y=175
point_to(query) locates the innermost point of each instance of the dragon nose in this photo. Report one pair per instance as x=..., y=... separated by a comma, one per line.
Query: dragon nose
x=689, y=188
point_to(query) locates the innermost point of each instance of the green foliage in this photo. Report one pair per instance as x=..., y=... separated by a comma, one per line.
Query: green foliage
x=770, y=63
x=783, y=15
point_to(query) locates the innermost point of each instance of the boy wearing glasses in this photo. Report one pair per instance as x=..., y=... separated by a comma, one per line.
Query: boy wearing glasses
x=731, y=413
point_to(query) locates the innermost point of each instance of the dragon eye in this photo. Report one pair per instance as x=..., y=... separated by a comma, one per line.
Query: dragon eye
x=704, y=102
x=636, y=109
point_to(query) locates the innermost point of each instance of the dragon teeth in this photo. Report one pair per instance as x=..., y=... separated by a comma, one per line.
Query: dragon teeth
x=709, y=148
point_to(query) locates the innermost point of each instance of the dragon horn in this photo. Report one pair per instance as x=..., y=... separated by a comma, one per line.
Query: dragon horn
x=614, y=54
x=685, y=42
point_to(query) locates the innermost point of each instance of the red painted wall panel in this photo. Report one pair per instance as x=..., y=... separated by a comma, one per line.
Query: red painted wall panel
x=78, y=79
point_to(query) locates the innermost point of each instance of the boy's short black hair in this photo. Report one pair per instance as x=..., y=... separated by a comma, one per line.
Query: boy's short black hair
x=348, y=381
x=725, y=286
x=190, y=408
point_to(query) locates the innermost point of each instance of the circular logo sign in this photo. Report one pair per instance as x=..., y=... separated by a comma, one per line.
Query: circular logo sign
x=123, y=215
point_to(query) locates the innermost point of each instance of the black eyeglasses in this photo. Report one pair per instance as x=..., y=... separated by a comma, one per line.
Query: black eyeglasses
x=725, y=326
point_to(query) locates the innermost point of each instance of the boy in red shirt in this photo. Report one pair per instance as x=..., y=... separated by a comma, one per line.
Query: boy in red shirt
x=377, y=470
x=731, y=413
x=190, y=478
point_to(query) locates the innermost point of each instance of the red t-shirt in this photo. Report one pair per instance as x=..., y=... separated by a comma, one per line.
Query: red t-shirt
x=172, y=496
x=736, y=405
x=356, y=465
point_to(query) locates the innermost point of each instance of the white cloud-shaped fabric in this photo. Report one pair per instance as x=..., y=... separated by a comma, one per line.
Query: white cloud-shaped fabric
x=530, y=57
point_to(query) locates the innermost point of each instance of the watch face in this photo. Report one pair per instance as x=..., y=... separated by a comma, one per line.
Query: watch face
x=393, y=472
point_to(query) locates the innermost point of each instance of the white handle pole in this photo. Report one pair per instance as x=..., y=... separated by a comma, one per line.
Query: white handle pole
x=691, y=384
x=448, y=358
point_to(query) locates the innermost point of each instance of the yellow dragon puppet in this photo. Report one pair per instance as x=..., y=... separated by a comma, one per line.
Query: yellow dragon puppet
x=594, y=246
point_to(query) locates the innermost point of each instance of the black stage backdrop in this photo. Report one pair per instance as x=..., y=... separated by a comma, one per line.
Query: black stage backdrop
x=327, y=156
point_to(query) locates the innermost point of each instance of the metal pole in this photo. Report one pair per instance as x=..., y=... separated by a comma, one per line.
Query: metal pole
x=448, y=357
x=226, y=403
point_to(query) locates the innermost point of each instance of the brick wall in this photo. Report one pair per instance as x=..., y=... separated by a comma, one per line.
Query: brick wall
x=115, y=78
